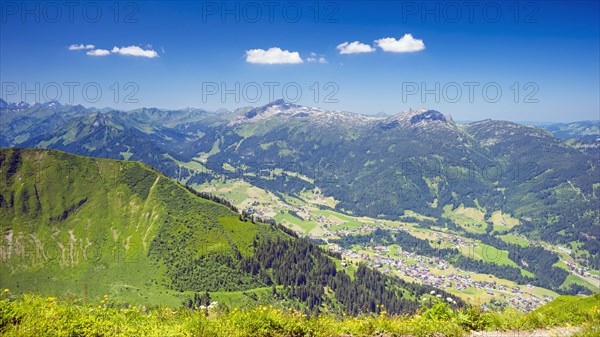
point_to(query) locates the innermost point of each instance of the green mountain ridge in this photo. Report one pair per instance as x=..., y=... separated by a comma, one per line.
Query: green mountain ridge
x=88, y=226
x=106, y=220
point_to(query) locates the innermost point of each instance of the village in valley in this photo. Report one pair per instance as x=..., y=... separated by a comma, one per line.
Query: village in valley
x=425, y=270
x=312, y=216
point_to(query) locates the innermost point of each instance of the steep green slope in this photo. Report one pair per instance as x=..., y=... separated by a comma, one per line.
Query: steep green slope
x=94, y=226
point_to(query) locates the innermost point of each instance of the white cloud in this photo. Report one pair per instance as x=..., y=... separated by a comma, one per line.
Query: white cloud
x=135, y=51
x=406, y=44
x=81, y=46
x=354, y=48
x=130, y=51
x=98, y=52
x=273, y=56
x=314, y=58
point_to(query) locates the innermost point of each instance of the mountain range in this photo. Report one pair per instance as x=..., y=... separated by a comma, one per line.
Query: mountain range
x=387, y=167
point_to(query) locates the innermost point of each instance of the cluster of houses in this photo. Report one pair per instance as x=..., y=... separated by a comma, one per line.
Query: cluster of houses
x=421, y=269
x=576, y=269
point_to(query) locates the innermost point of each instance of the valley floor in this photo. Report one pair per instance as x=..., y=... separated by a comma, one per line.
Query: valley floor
x=310, y=214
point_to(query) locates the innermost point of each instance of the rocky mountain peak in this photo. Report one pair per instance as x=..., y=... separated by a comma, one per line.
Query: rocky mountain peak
x=423, y=118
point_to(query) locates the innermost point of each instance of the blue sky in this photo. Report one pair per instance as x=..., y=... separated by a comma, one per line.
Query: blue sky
x=542, y=56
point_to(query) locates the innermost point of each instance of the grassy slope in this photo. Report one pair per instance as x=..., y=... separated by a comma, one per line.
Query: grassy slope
x=34, y=315
x=567, y=309
x=88, y=227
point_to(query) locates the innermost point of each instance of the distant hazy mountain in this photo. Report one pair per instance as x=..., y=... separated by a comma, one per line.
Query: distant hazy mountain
x=584, y=135
x=22, y=121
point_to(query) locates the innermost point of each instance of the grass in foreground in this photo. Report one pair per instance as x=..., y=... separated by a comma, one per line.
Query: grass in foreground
x=33, y=315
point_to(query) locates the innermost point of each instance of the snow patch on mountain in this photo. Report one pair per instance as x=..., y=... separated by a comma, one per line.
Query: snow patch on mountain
x=283, y=109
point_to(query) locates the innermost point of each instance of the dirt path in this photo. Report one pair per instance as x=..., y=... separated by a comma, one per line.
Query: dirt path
x=554, y=332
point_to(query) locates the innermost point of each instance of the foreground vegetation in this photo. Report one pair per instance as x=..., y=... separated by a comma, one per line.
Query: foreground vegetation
x=29, y=315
